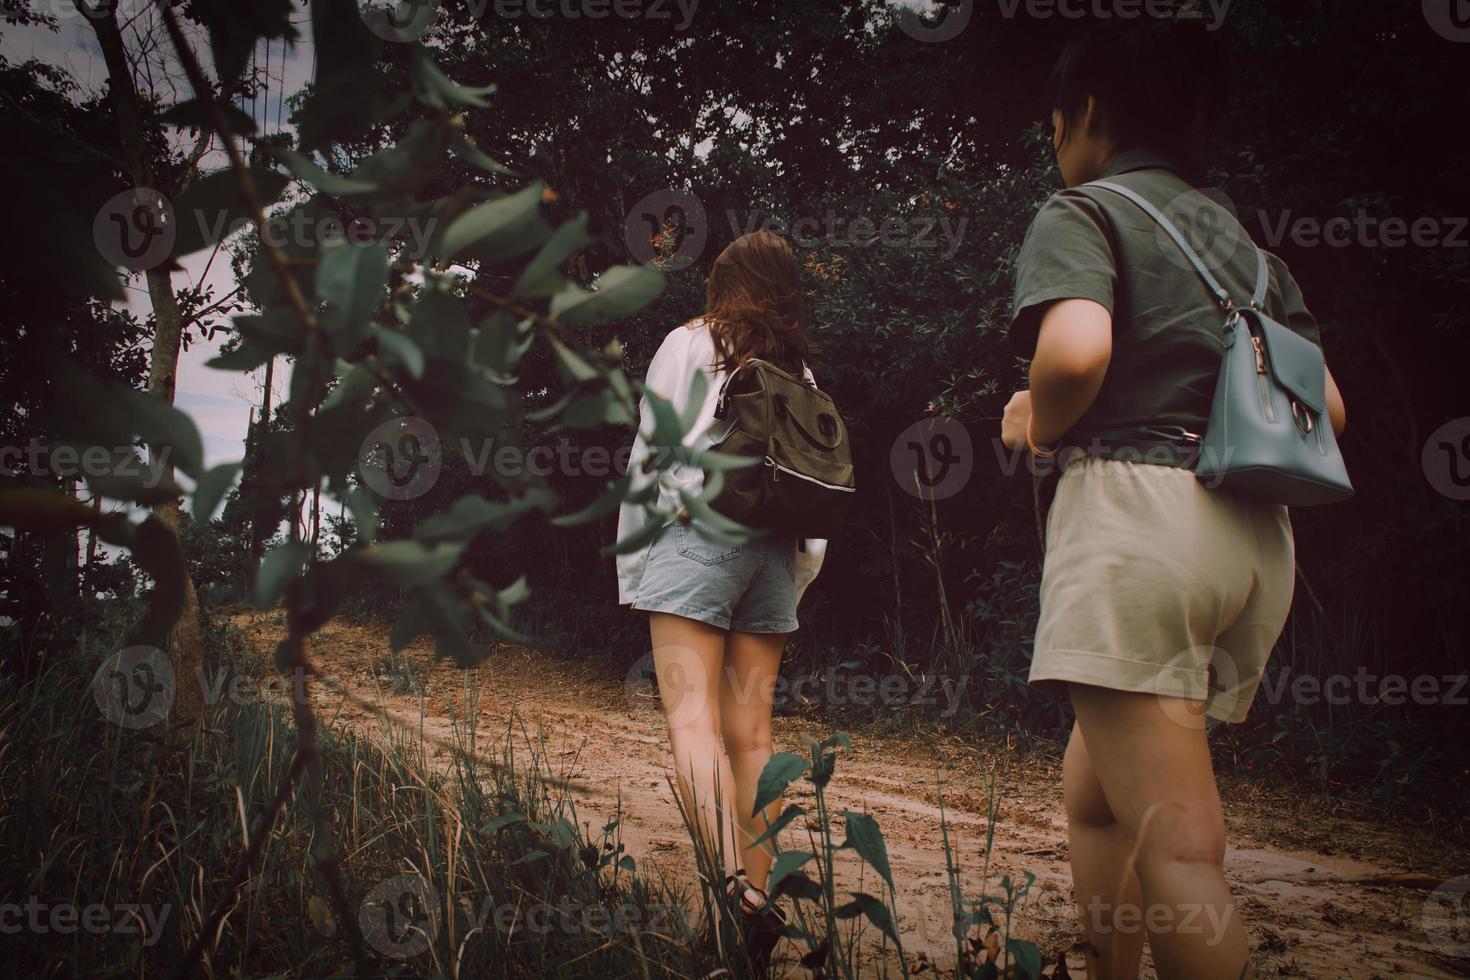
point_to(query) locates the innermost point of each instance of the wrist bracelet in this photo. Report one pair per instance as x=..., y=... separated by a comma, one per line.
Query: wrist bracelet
x=1037, y=450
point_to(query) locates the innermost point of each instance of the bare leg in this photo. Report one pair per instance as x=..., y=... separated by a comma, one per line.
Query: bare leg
x=1103, y=878
x=687, y=658
x=747, y=690
x=1156, y=775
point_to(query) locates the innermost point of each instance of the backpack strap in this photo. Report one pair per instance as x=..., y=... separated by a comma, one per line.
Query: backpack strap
x=1221, y=294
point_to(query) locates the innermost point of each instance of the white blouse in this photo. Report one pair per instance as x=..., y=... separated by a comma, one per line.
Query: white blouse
x=685, y=350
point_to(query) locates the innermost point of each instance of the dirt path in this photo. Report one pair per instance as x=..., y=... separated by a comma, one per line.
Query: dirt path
x=1288, y=860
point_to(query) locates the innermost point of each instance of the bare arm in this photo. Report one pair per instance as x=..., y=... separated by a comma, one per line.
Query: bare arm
x=1073, y=349
x=1336, y=410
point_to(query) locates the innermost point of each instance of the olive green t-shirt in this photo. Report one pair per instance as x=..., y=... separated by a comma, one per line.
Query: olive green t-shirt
x=1167, y=334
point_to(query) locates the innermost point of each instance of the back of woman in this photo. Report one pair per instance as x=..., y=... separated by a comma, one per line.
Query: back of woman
x=1161, y=597
x=720, y=609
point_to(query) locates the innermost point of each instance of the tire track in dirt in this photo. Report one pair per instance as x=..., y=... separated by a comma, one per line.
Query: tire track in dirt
x=608, y=744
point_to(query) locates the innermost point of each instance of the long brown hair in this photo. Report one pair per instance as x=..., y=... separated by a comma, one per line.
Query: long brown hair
x=753, y=304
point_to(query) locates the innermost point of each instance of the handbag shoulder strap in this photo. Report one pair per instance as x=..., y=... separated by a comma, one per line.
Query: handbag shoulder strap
x=1220, y=292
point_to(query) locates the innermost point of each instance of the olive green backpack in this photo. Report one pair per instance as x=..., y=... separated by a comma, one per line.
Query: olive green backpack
x=804, y=485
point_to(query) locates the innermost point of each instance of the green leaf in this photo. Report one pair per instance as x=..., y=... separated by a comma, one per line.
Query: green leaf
x=364, y=514
x=213, y=206
x=500, y=227
x=714, y=524
x=303, y=167
x=471, y=514
x=621, y=290
x=514, y=594
x=542, y=277
x=1026, y=957
x=866, y=837
x=451, y=619
x=780, y=770
x=466, y=149
x=668, y=432
x=530, y=857
x=799, y=886
x=709, y=460
x=410, y=625
x=786, y=863
x=246, y=357
x=342, y=101
x=398, y=346
x=48, y=512
x=875, y=911
x=497, y=823
x=211, y=489
x=502, y=628
x=779, y=824
x=278, y=569
x=606, y=503
x=356, y=385
x=350, y=280
x=694, y=404
x=407, y=166
x=235, y=28
x=274, y=332
x=121, y=474
x=501, y=342
x=438, y=89
x=409, y=564
x=194, y=114
x=162, y=426
x=157, y=551
x=440, y=325
x=589, y=411
x=576, y=368
x=636, y=541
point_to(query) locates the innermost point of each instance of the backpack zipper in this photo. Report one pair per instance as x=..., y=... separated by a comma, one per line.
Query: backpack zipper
x=777, y=469
x=1261, y=378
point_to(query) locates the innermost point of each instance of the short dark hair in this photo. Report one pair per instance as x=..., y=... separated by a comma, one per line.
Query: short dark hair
x=1158, y=82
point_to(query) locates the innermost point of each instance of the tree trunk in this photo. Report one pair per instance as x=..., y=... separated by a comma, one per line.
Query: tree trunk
x=258, y=535
x=186, y=639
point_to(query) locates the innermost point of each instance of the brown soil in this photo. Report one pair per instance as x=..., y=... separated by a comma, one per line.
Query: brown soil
x=1296, y=861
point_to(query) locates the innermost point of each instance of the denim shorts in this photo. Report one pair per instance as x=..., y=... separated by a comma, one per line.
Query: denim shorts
x=745, y=588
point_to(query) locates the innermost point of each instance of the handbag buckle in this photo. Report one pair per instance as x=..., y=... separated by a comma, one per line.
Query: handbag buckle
x=1302, y=417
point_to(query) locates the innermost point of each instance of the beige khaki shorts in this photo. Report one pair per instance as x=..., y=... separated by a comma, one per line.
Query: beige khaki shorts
x=1153, y=583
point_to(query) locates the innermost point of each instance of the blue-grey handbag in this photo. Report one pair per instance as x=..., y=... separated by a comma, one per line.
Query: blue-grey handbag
x=1268, y=434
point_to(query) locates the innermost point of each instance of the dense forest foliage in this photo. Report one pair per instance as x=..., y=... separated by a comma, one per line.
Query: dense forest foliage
x=831, y=121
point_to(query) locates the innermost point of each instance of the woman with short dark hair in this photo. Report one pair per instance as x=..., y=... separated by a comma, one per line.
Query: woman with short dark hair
x=1161, y=598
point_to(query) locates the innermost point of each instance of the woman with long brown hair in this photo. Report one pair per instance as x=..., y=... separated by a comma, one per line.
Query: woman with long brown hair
x=720, y=613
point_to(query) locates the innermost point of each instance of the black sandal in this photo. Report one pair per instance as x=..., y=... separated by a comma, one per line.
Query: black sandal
x=763, y=922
